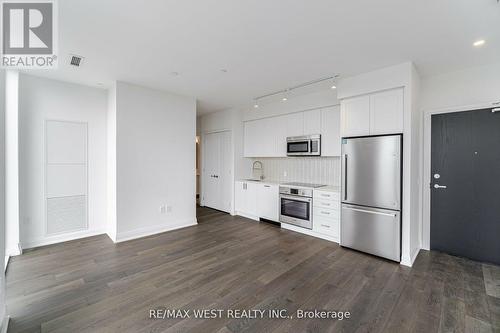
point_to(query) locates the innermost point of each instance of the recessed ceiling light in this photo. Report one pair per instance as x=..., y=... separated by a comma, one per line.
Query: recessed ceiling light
x=256, y=105
x=479, y=43
x=334, y=87
x=174, y=73
x=284, y=99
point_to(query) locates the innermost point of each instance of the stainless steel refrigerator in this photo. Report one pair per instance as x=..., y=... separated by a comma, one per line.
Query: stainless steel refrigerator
x=371, y=195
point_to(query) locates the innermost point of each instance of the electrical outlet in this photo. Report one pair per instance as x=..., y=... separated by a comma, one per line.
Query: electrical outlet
x=163, y=209
x=169, y=209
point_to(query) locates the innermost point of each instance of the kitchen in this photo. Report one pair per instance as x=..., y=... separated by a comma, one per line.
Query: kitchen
x=242, y=166
x=291, y=150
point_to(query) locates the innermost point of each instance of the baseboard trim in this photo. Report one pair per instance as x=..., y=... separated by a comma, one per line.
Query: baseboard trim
x=13, y=251
x=152, y=230
x=248, y=216
x=61, y=238
x=7, y=258
x=5, y=324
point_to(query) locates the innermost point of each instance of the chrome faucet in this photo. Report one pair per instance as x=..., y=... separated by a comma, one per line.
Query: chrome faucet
x=257, y=165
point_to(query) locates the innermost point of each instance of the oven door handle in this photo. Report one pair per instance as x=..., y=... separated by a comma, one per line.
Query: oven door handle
x=295, y=198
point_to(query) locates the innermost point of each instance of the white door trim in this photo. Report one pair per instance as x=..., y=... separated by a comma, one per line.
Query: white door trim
x=426, y=191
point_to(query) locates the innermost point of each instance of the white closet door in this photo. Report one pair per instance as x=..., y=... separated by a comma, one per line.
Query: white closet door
x=212, y=158
x=65, y=176
x=218, y=181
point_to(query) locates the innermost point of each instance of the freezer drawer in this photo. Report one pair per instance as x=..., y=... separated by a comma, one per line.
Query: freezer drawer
x=371, y=230
x=371, y=171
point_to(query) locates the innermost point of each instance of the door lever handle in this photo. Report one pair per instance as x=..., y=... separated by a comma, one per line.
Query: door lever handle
x=439, y=186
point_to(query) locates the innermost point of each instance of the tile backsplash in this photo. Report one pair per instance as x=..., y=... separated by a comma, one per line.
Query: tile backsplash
x=320, y=170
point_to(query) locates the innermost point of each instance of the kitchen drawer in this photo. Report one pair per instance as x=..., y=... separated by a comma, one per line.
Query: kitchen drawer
x=326, y=195
x=327, y=226
x=326, y=213
x=328, y=204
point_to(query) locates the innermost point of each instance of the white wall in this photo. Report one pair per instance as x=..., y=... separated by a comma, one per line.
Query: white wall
x=41, y=99
x=111, y=164
x=2, y=199
x=299, y=101
x=155, y=161
x=12, y=163
x=472, y=86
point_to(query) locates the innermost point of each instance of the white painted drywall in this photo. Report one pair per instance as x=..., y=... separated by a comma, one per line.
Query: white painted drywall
x=2, y=198
x=296, y=102
x=381, y=79
x=416, y=165
x=472, y=86
x=111, y=164
x=41, y=99
x=12, y=163
x=155, y=161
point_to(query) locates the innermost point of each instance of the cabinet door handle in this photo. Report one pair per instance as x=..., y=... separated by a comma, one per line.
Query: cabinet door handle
x=326, y=226
x=326, y=213
x=267, y=185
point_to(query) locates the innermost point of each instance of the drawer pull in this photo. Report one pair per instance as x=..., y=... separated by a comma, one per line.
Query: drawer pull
x=325, y=226
x=325, y=195
x=326, y=213
x=325, y=204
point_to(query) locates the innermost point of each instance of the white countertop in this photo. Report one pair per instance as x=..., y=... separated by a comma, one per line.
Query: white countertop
x=328, y=188
x=265, y=181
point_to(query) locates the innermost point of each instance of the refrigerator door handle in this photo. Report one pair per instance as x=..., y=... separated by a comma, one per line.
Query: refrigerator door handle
x=370, y=211
x=345, y=177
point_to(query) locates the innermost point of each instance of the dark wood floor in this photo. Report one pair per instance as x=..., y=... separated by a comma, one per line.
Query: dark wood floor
x=227, y=262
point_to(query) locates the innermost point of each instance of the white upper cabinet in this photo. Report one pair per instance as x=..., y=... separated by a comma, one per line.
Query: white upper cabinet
x=312, y=122
x=252, y=138
x=386, y=112
x=378, y=113
x=330, y=131
x=294, y=123
x=267, y=137
x=356, y=116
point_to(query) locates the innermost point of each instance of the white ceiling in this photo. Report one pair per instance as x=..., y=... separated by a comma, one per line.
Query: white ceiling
x=266, y=45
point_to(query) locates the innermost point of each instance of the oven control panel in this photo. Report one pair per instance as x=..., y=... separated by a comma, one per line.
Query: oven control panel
x=301, y=192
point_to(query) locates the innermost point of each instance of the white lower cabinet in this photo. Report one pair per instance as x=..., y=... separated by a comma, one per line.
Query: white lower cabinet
x=326, y=213
x=245, y=198
x=257, y=200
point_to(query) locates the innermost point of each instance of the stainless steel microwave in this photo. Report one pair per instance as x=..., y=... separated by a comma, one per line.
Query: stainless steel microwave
x=307, y=145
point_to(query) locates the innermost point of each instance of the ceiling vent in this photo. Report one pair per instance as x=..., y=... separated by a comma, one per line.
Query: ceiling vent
x=76, y=60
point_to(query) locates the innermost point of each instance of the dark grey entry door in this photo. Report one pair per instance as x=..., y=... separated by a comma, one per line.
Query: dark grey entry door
x=465, y=184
